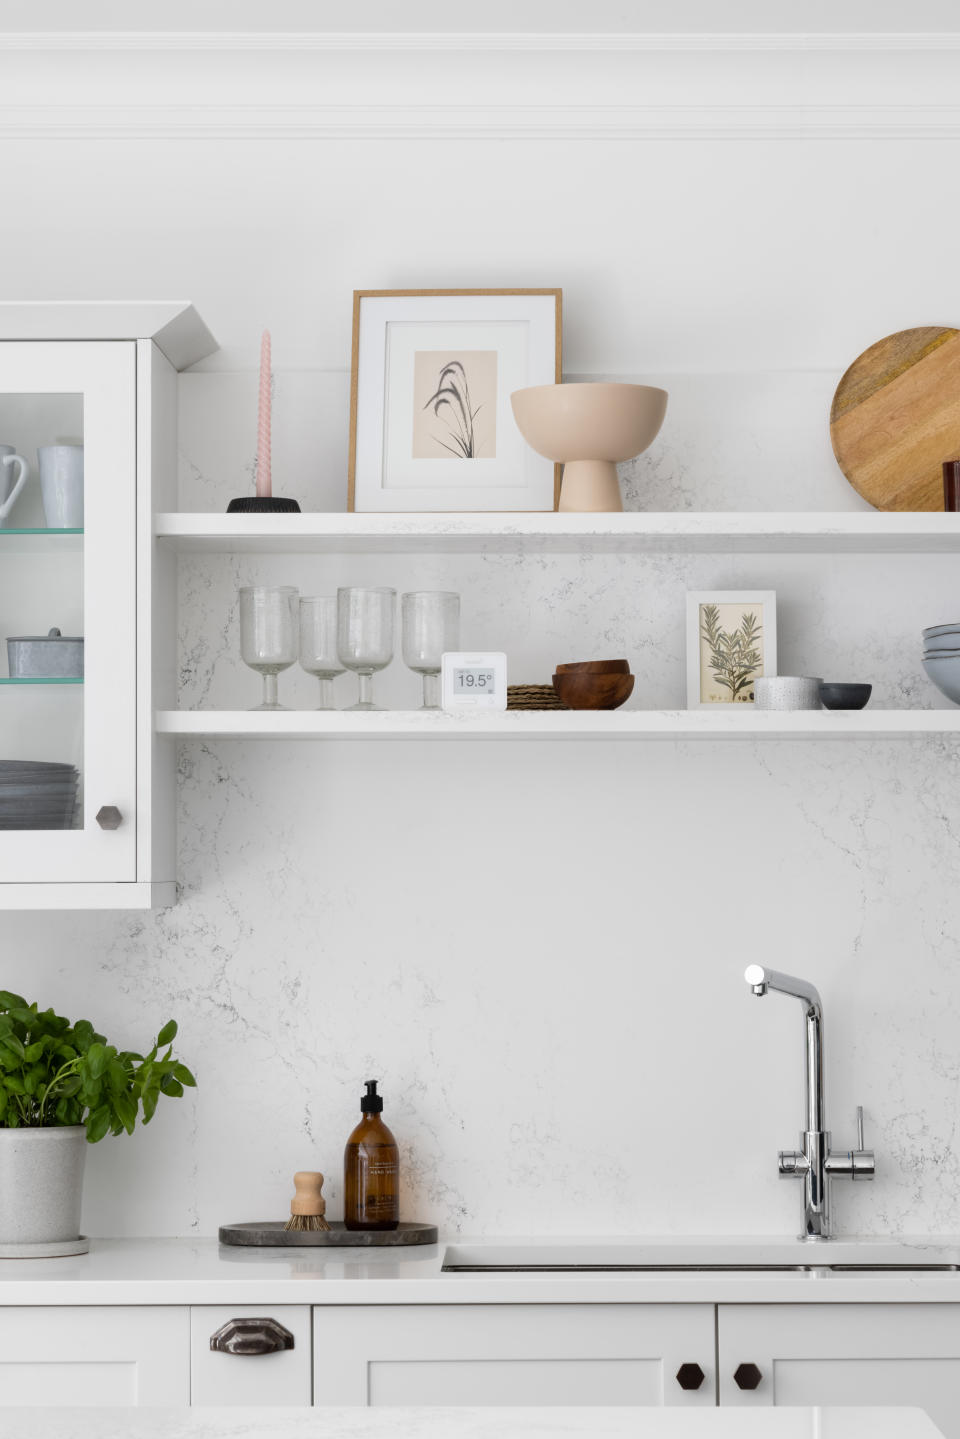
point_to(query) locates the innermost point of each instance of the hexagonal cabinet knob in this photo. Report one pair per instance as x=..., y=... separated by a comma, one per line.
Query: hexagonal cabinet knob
x=747, y=1376
x=251, y=1336
x=690, y=1376
x=109, y=817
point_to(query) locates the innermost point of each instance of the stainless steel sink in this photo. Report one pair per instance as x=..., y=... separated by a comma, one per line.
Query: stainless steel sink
x=686, y=1256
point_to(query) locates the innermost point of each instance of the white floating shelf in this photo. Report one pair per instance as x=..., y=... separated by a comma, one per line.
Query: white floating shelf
x=742, y=723
x=831, y=533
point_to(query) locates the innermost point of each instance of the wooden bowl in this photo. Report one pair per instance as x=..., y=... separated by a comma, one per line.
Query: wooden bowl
x=595, y=667
x=580, y=691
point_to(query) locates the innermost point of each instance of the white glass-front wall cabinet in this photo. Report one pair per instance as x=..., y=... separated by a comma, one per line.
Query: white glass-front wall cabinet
x=86, y=791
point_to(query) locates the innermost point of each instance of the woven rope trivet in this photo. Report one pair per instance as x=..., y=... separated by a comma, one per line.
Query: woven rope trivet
x=533, y=697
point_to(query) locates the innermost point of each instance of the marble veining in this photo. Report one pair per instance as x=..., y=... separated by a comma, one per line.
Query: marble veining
x=538, y=948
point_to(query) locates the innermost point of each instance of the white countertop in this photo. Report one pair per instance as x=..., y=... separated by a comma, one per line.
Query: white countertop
x=199, y=1271
x=466, y=1424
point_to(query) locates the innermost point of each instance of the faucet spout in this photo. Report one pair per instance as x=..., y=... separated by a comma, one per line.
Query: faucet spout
x=761, y=980
x=814, y=1163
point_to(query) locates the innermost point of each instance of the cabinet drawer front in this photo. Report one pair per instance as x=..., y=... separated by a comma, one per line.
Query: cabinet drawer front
x=277, y=1376
x=94, y=1356
x=513, y=1354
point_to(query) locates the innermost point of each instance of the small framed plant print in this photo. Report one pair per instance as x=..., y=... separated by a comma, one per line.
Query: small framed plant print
x=431, y=426
x=731, y=639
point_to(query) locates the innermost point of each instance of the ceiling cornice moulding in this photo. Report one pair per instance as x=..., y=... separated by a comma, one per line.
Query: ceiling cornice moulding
x=443, y=124
x=593, y=87
x=478, y=41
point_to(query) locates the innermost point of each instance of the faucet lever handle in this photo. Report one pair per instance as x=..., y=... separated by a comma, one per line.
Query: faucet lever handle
x=860, y=1143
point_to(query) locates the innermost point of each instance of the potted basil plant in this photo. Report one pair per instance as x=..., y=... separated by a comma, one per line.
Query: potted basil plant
x=62, y=1086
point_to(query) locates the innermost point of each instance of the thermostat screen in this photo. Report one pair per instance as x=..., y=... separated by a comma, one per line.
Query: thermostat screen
x=474, y=682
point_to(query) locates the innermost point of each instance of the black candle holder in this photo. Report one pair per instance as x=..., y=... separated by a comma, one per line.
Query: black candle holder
x=263, y=505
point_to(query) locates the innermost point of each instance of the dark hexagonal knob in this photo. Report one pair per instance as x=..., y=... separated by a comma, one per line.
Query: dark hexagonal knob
x=690, y=1376
x=109, y=817
x=251, y=1336
x=747, y=1376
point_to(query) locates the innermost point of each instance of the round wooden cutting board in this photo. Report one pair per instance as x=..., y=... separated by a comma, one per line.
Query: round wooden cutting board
x=896, y=417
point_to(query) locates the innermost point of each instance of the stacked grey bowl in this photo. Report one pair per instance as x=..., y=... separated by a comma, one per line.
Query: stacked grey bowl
x=941, y=659
x=37, y=794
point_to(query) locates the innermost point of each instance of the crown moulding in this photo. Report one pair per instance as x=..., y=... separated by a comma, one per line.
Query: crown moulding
x=491, y=41
x=494, y=86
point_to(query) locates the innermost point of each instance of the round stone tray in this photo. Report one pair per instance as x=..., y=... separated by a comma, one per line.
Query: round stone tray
x=270, y=1232
x=53, y=1249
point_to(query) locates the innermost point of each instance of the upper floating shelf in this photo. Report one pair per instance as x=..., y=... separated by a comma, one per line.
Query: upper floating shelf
x=638, y=533
x=713, y=724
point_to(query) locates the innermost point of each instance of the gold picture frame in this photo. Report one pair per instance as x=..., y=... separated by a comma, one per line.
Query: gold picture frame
x=549, y=371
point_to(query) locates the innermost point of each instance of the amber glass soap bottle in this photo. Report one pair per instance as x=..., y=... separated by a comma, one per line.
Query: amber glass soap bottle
x=371, y=1169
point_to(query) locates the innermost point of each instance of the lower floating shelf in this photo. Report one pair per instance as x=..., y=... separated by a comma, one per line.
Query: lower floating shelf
x=711, y=724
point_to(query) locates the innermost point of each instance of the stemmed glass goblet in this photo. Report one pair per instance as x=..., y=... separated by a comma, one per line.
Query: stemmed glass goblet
x=318, y=644
x=431, y=626
x=365, y=620
x=268, y=635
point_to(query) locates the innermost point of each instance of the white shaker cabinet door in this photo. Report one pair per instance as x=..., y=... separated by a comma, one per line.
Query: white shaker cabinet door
x=515, y=1354
x=869, y=1354
x=94, y=1356
x=250, y=1355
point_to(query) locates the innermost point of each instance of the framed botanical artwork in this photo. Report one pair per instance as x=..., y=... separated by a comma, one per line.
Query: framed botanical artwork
x=431, y=427
x=731, y=639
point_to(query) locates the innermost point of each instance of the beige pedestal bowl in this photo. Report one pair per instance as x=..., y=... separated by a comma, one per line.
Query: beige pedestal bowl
x=589, y=429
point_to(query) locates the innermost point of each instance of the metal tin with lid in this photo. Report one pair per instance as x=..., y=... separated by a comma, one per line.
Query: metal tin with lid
x=50, y=656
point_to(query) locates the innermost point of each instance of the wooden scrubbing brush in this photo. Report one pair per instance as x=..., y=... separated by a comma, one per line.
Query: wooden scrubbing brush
x=308, y=1206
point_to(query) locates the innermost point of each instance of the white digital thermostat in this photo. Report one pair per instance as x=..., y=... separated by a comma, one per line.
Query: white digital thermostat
x=473, y=681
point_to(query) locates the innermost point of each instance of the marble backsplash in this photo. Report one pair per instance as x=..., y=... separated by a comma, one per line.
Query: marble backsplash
x=539, y=947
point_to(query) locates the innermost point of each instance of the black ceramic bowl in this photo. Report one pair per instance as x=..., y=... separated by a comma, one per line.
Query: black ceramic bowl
x=844, y=696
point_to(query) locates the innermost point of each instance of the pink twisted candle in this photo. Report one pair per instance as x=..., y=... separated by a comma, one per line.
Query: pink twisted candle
x=264, y=488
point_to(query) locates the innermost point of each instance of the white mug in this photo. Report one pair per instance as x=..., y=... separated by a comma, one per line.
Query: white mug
x=61, y=485
x=10, y=487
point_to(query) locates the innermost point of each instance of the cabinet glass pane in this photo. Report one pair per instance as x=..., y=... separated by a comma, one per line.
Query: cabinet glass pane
x=41, y=588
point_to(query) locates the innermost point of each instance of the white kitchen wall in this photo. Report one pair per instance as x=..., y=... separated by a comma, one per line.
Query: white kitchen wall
x=537, y=948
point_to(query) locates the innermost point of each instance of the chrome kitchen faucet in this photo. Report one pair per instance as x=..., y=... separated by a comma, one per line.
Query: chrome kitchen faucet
x=815, y=1162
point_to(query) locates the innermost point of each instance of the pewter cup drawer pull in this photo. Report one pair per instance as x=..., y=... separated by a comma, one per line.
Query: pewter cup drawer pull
x=251, y=1336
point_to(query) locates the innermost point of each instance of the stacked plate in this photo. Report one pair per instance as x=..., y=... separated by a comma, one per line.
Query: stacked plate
x=941, y=659
x=37, y=795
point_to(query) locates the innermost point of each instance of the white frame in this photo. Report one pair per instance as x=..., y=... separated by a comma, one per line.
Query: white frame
x=696, y=598
x=534, y=487
x=473, y=660
x=105, y=373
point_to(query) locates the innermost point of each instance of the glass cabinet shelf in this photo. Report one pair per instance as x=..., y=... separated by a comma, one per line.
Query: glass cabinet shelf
x=40, y=540
x=45, y=681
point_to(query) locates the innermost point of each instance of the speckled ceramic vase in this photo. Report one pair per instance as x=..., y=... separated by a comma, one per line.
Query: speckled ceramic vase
x=41, y=1187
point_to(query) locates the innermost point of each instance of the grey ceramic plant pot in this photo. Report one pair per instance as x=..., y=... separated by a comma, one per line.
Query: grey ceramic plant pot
x=41, y=1184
